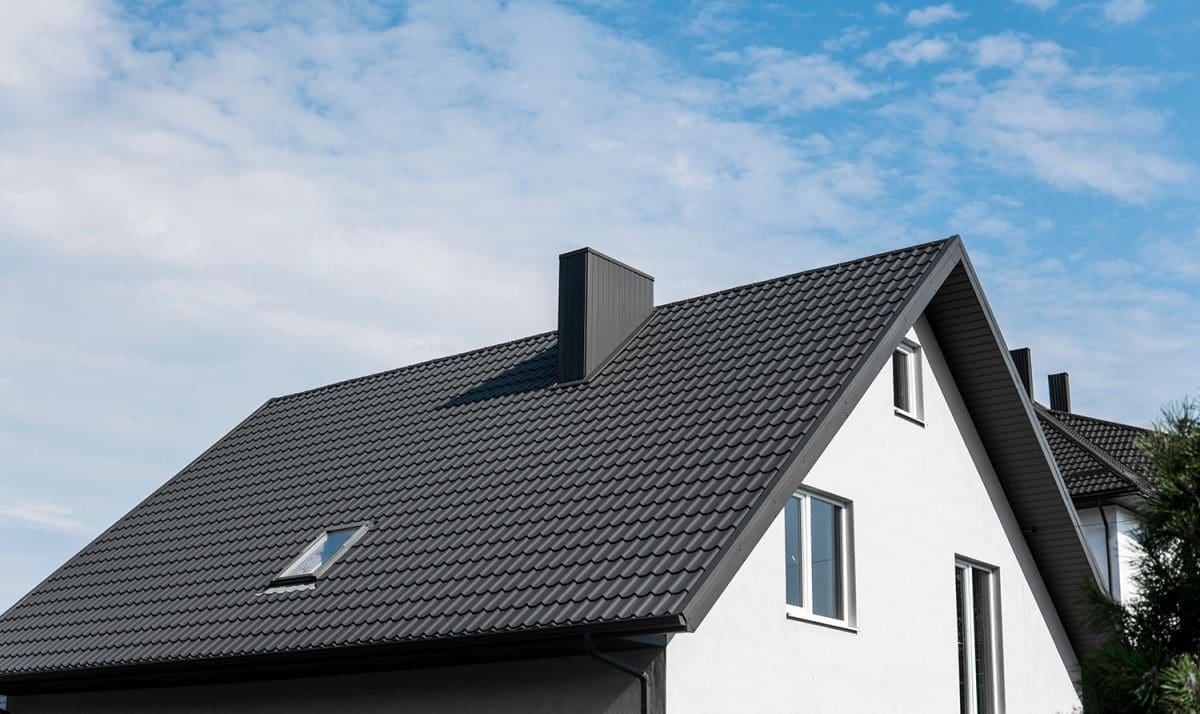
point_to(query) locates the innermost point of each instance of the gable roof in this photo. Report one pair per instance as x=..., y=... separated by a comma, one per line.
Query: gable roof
x=1096, y=457
x=503, y=505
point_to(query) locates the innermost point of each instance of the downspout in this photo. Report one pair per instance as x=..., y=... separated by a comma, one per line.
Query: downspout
x=1107, y=548
x=623, y=666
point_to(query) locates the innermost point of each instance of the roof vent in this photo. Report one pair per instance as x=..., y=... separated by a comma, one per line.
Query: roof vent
x=1060, y=392
x=1023, y=359
x=601, y=304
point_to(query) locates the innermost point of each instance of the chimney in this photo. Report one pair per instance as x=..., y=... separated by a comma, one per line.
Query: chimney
x=601, y=304
x=1023, y=359
x=1060, y=392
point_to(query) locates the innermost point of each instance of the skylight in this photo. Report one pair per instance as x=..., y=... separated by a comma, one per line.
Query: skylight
x=321, y=553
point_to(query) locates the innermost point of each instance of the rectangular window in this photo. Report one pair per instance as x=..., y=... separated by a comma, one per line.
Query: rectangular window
x=978, y=648
x=321, y=553
x=906, y=380
x=817, y=567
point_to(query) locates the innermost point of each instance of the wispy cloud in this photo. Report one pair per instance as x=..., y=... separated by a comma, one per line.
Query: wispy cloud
x=933, y=14
x=1124, y=12
x=43, y=515
x=1006, y=50
x=1071, y=128
x=911, y=50
x=1042, y=5
x=849, y=38
x=787, y=83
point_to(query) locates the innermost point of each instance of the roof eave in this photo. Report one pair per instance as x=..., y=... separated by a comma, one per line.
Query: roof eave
x=468, y=649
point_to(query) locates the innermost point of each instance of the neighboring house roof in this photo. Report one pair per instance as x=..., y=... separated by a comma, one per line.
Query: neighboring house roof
x=1118, y=441
x=1095, y=457
x=505, y=506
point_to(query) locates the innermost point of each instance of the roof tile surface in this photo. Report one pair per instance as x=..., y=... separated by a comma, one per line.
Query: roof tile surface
x=499, y=502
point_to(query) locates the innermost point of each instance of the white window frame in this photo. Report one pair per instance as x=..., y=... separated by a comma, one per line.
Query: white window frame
x=804, y=610
x=967, y=601
x=912, y=376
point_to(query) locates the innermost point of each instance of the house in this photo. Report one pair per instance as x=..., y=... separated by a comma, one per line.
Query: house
x=1104, y=471
x=824, y=492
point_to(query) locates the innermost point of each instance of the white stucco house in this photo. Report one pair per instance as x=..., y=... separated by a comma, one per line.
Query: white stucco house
x=826, y=492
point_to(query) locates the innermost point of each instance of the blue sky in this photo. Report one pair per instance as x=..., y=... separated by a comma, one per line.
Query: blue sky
x=202, y=206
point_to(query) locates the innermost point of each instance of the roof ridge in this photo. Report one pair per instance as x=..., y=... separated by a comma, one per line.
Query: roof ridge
x=1091, y=447
x=414, y=365
x=703, y=296
x=1110, y=422
x=820, y=268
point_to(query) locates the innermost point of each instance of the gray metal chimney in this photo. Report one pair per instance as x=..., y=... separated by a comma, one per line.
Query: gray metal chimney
x=1060, y=392
x=1023, y=359
x=601, y=304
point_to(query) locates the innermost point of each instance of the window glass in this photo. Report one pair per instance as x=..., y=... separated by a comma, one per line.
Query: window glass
x=901, y=393
x=982, y=611
x=324, y=549
x=793, y=570
x=826, y=560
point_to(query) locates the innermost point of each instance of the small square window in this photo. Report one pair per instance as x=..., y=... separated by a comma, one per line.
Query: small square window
x=321, y=553
x=817, y=548
x=906, y=381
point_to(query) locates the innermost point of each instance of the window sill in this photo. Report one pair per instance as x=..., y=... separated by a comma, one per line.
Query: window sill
x=795, y=613
x=908, y=416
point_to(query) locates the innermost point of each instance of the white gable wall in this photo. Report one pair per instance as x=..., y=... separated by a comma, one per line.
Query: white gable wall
x=921, y=496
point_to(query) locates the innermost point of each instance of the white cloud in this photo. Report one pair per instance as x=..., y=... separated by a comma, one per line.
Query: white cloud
x=885, y=9
x=787, y=83
x=1042, y=5
x=848, y=38
x=933, y=14
x=1088, y=130
x=42, y=515
x=1123, y=12
x=1004, y=50
x=909, y=51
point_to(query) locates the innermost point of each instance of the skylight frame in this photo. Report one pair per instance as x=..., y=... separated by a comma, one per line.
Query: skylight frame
x=283, y=578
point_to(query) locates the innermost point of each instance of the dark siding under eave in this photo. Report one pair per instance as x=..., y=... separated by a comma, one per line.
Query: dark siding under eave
x=1015, y=447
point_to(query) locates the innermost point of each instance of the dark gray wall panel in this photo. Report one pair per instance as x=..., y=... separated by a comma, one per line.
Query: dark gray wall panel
x=541, y=686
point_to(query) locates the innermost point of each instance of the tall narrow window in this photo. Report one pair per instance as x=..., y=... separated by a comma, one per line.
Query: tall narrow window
x=817, y=568
x=906, y=380
x=978, y=649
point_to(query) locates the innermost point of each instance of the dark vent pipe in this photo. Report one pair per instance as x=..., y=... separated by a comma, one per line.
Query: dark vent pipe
x=1023, y=359
x=602, y=303
x=1060, y=392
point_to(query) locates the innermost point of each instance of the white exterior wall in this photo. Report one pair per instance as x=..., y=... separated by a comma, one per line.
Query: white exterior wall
x=921, y=496
x=1128, y=553
x=1122, y=550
